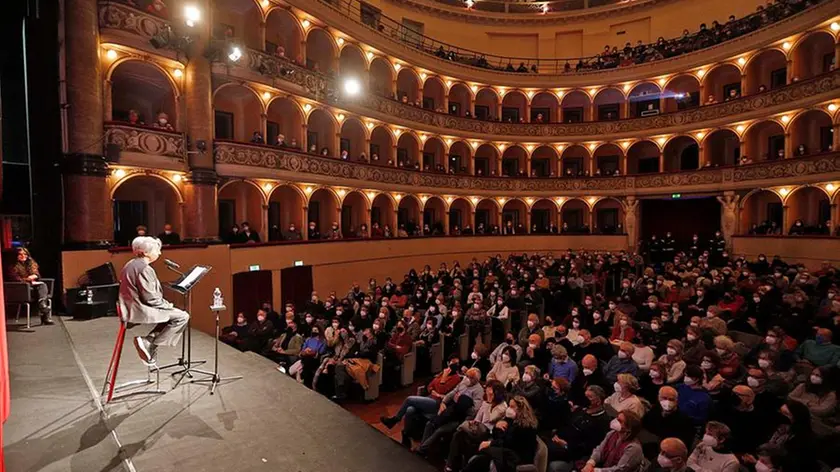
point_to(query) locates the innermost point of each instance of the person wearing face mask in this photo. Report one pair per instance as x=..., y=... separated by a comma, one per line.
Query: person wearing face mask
x=236, y=335
x=795, y=436
x=344, y=346
x=513, y=443
x=818, y=392
x=589, y=375
x=478, y=322
x=713, y=322
x=820, y=351
x=600, y=327
x=730, y=361
x=620, y=449
x=472, y=432
x=285, y=348
x=673, y=456
x=673, y=362
x=650, y=384
x=163, y=122
x=460, y=403
x=532, y=326
x=693, y=345
x=694, y=401
x=649, y=310
x=770, y=458
x=309, y=358
x=623, y=330
x=712, y=453
x=624, y=397
x=576, y=438
x=643, y=354
x=169, y=237
x=536, y=353
x=664, y=420
x=260, y=332
x=479, y=360
x=622, y=363
x=712, y=381
x=505, y=369
x=531, y=387
x=561, y=366
x=429, y=403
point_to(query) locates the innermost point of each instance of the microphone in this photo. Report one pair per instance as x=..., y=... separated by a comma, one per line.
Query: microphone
x=171, y=264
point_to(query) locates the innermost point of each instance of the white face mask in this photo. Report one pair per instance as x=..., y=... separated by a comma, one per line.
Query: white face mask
x=617, y=387
x=622, y=355
x=505, y=358
x=689, y=381
x=667, y=405
x=615, y=425
x=533, y=346
x=752, y=382
x=575, y=325
x=671, y=351
x=526, y=378
x=764, y=363
x=531, y=324
x=720, y=351
x=816, y=380
x=588, y=372
x=623, y=322
x=762, y=467
x=706, y=365
x=474, y=356
x=664, y=461
x=510, y=413
x=654, y=374
x=770, y=340
x=691, y=337
x=710, y=440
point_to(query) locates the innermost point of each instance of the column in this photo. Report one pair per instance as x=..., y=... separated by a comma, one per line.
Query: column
x=528, y=221
x=302, y=53
x=262, y=37
x=729, y=215
x=106, y=97
x=266, y=231
x=592, y=220
x=785, y=218
x=661, y=161
x=498, y=116
x=528, y=165
x=304, y=138
x=264, y=127
x=745, y=82
x=703, y=93
x=592, y=165
x=527, y=116
x=631, y=221
x=88, y=214
x=446, y=103
x=368, y=219
x=593, y=112
x=446, y=221
x=701, y=157
x=305, y=222
x=335, y=149
x=472, y=220
x=625, y=111
x=790, y=72
x=472, y=105
x=201, y=216
x=835, y=144
x=789, y=144
x=624, y=164
x=394, y=153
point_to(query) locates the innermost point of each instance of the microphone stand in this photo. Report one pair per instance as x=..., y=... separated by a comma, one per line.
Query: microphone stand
x=215, y=379
x=185, y=362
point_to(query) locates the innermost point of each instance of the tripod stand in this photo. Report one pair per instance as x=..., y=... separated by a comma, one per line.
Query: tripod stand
x=215, y=379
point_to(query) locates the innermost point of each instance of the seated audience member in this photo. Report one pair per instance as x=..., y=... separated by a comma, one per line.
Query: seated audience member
x=561, y=366
x=169, y=237
x=535, y=353
x=712, y=380
x=357, y=365
x=428, y=404
x=623, y=329
x=622, y=363
x=163, y=122
x=624, y=397
x=471, y=433
x=818, y=392
x=508, y=342
x=514, y=440
x=236, y=335
x=249, y=236
x=643, y=355
x=590, y=375
x=712, y=453
x=532, y=327
x=425, y=339
x=795, y=436
x=730, y=361
x=650, y=384
x=456, y=406
x=344, y=345
x=530, y=387
x=292, y=234
x=285, y=348
x=673, y=456
x=505, y=370
x=673, y=362
x=576, y=439
x=260, y=332
x=664, y=420
x=620, y=449
x=694, y=401
x=311, y=352
x=820, y=351
x=557, y=408
x=750, y=425
x=479, y=360
x=24, y=269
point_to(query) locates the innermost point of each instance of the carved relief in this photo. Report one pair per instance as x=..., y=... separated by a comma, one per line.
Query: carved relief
x=630, y=205
x=729, y=216
x=787, y=168
x=125, y=18
x=146, y=141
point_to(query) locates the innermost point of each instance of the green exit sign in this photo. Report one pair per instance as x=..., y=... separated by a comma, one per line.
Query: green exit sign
x=676, y=195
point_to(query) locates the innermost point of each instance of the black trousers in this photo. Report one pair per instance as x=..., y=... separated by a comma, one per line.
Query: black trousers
x=40, y=293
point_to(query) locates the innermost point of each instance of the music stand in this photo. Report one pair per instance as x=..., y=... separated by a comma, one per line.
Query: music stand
x=216, y=379
x=184, y=286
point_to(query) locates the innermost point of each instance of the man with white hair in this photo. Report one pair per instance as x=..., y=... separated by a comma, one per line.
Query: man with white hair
x=141, y=301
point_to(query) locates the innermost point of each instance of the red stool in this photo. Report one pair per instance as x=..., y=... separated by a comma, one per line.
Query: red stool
x=113, y=366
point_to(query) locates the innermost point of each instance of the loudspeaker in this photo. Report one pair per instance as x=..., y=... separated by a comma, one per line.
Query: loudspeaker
x=112, y=152
x=100, y=275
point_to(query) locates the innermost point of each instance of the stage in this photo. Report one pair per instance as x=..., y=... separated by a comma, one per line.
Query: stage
x=265, y=421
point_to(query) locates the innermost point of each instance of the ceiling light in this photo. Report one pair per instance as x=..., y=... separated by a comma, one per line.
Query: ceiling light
x=352, y=86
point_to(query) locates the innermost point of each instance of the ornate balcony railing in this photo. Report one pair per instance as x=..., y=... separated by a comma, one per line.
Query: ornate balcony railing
x=823, y=166
x=323, y=87
x=119, y=16
x=145, y=140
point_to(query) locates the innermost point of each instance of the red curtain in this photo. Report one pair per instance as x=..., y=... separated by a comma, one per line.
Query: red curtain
x=5, y=395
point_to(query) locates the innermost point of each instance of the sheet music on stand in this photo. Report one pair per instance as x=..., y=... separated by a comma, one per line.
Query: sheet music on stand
x=187, y=281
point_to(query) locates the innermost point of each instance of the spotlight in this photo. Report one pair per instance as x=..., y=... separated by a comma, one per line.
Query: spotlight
x=235, y=54
x=545, y=8
x=469, y=3
x=191, y=15
x=680, y=96
x=352, y=86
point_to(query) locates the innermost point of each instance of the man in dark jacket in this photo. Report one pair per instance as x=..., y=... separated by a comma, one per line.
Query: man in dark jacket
x=664, y=420
x=585, y=429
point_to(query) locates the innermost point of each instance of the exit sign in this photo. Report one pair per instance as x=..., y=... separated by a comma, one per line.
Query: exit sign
x=254, y=268
x=676, y=195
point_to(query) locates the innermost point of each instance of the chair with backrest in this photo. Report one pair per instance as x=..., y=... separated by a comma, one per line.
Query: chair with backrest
x=540, y=459
x=464, y=344
x=409, y=364
x=375, y=380
x=436, y=354
x=20, y=294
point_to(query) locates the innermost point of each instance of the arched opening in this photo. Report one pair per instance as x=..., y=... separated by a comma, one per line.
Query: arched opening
x=237, y=111
x=682, y=93
x=812, y=132
x=487, y=216
x=141, y=94
x=460, y=216
x=643, y=158
x=681, y=153
x=320, y=133
x=381, y=77
x=433, y=216
x=285, y=120
x=608, y=160
x=574, y=217
x=609, y=104
x=766, y=71
x=241, y=202
x=285, y=208
x=719, y=83
x=408, y=87
x=320, y=51
x=434, y=156
x=382, y=214
x=408, y=151
x=354, y=216
x=515, y=162
x=544, y=162
x=460, y=158
x=576, y=105
x=765, y=141
x=486, y=105
x=283, y=36
x=609, y=217
x=235, y=18
x=434, y=94
x=148, y=201
x=515, y=217
x=722, y=148
x=486, y=161
x=814, y=56
x=514, y=104
x=575, y=161
x=761, y=213
x=381, y=147
x=545, y=108
x=408, y=215
x=323, y=209
x=810, y=206
x=544, y=217
x=459, y=100
x=352, y=62
x=353, y=140
x=644, y=100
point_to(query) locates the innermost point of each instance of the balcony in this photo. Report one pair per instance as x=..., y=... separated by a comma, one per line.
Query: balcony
x=140, y=145
x=125, y=21
x=245, y=160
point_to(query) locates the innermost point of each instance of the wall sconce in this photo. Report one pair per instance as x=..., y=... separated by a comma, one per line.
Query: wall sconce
x=423, y=138
x=449, y=141
x=627, y=88
x=593, y=91
x=559, y=94
x=449, y=199
x=591, y=200
x=267, y=187
x=742, y=61
x=397, y=132
x=560, y=200
x=700, y=73
x=501, y=200
x=785, y=119
x=784, y=191
x=448, y=84
x=501, y=91
x=341, y=192
x=530, y=147
x=397, y=66
x=625, y=145
x=306, y=24
x=264, y=3
x=266, y=95
x=475, y=144
x=307, y=190
x=340, y=41
x=830, y=188
x=529, y=200
x=397, y=197
x=111, y=54
x=786, y=46
x=832, y=107
x=340, y=116
x=371, y=195
x=835, y=26
x=560, y=147
x=699, y=134
x=740, y=128
x=307, y=107
x=176, y=178
x=662, y=140
x=423, y=76
x=178, y=73
x=475, y=200
x=370, y=125
x=662, y=81
x=530, y=94
x=424, y=198
x=119, y=173
x=370, y=55
x=592, y=146
x=501, y=146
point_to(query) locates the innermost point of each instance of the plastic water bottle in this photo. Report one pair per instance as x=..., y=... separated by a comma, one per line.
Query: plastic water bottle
x=217, y=297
